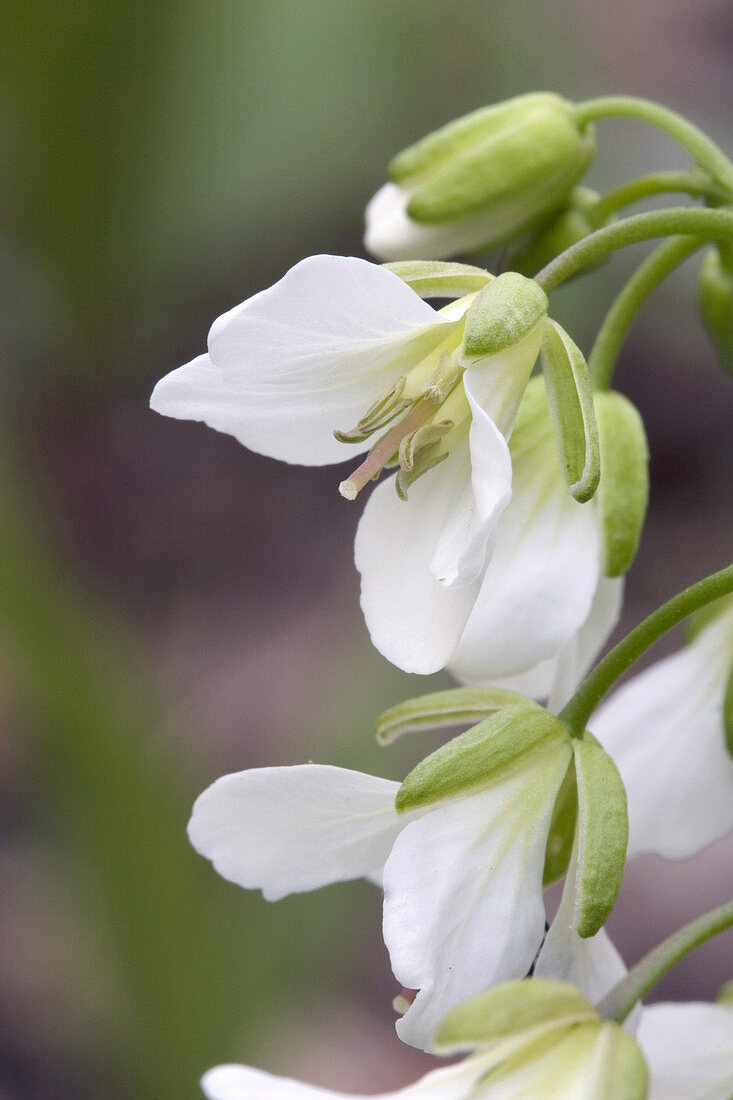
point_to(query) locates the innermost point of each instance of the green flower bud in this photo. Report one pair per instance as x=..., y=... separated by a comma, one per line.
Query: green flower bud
x=715, y=298
x=565, y=228
x=481, y=180
x=482, y=755
x=624, y=484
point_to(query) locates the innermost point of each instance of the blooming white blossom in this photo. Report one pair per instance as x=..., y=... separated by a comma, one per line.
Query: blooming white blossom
x=689, y=1050
x=496, y=573
x=665, y=731
x=462, y=876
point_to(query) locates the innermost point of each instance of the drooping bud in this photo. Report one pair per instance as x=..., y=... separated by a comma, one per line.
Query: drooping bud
x=624, y=484
x=570, y=401
x=562, y=230
x=481, y=180
x=715, y=299
x=482, y=755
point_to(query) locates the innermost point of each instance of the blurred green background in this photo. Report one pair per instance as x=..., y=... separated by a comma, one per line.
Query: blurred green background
x=173, y=607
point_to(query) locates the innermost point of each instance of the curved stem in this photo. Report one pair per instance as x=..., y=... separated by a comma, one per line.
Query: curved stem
x=613, y=331
x=617, y=1004
x=706, y=153
x=579, y=709
x=656, y=183
x=675, y=221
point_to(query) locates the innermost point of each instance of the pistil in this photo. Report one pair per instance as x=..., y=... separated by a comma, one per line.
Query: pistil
x=389, y=445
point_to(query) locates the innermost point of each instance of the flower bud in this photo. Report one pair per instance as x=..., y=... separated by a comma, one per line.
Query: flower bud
x=479, y=181
x=715, y=298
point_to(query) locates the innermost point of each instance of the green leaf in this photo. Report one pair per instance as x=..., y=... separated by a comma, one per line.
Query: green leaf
x=562, y=829
x=481, y=755
x=435, y=279
x=570, y=400
x=602, y=836
x=503, y=314
x=624, y=487
x=510, y=1009
x=456, y=706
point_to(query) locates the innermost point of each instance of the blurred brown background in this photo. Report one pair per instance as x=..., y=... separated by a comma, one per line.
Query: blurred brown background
x=174, y=607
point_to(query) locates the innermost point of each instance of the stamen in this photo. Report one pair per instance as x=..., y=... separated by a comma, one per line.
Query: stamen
x=389, y=445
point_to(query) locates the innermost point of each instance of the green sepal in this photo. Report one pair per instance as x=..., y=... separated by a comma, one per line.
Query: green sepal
x=560, y=231
x=624, y=1074
x=705, y=616
x=603, y=831
x=562, y=829
x=481, y=755
x=510, y=1009
x=623, y=491
x=725, y=995
x=715, y=300
x=570, y=401
x=521, y=158
x=435, y=279
x=456, y=706
x=728, y=713
x=503, y=314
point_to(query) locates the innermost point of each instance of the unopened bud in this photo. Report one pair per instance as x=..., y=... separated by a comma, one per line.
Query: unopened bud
x=562, y=230
x=481, y=180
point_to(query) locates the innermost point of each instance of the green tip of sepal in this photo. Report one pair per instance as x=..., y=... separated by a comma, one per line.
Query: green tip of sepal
x=570, y=401
x=502, y=315
x=456, y=706
x=438, y=279
x=509, y=1010
x=728, y=713
x=481, y=755
x=624, y=486
x=715, y=300
x=602, y=832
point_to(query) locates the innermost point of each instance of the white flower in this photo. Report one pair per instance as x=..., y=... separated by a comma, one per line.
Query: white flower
x=455, y=574
x=535, y=616
x=665, y=731
x=689, y=1050
x=462, y=876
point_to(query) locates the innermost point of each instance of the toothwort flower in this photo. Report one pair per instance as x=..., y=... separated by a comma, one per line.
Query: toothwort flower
x=453, y=574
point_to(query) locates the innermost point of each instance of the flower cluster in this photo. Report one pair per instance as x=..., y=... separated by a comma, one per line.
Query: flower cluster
x=497, y=550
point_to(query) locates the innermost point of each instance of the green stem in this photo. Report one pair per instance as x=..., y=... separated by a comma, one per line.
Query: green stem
x=675, y=221
x=613, y=331
x=579, y=709
x=617, y=1004
x=657, y=183
x=709, y=156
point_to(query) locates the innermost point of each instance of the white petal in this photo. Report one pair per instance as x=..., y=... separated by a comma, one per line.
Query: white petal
x=413, y=619
x=541, y=579
x=286, y=830
x=242, y=1083
x=689, y=1048
x=664, y=730
x=391, y=235
x=305, y=357
x=579, y=653
x=593, y=965
x=463, y=892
